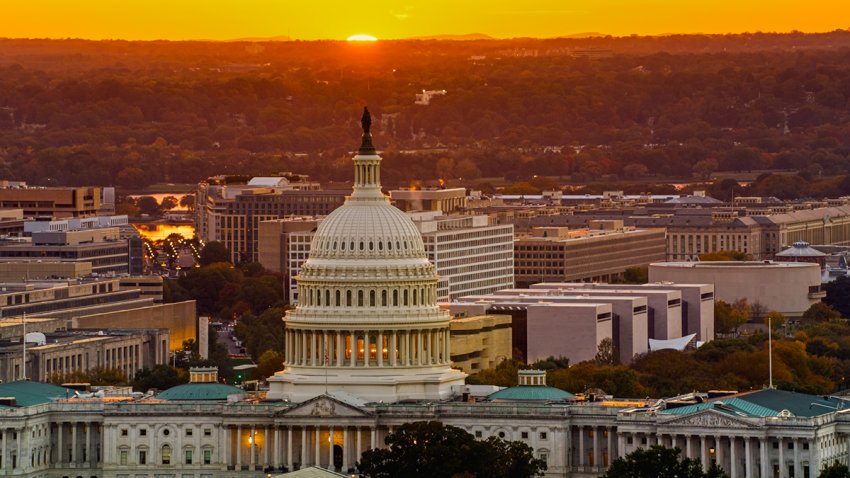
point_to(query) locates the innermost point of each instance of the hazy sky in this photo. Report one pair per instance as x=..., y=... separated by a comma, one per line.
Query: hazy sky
x=326, y=19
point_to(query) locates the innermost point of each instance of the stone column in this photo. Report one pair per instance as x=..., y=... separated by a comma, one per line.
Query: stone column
x=393, y=347
x=224, y=450
x=420, y=349
x=366, y=349
x=748, y=458
x=314, y=348
x=74, y=442
x=733, y=457
x=597, y=453
x=345, y=448
x=317, y=459
x=581, y=455
x=359, y=449
x=447, y=338
x=764, y=460
x=340, y=349
x=353, y=351
x=304, y=446
x=289, y=448
x=331, y=448
x=60, y=454
x=814, y=456
x=374, y=438
x=4, y=461
x=621, y=446
x=703, y=452
x=266, y=446
x=782, y=467
x=22, y=463
x=277, y=447
x=379, y=348
x=611, y=453
x=688, y=447
x=238, y=447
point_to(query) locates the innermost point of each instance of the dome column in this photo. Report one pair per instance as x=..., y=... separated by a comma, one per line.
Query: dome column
x=379, y=349
x=366, y=349
x=392, y=347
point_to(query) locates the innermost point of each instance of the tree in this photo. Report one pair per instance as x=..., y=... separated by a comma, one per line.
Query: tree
x=168, y=203
x=270, y=362
x=776, y=320
x=835, y=470
x=213, y=252
x=728, y=317
x=838, y=294
x=820, y=312
x=433, y=450
x=161, y=377
x=658, y=462
x=726, y=256
x=148, y=205
x=504, y=375
x=188, y=201
x=606, y=353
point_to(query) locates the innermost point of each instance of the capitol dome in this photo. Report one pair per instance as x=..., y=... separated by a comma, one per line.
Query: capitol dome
x=367, y=320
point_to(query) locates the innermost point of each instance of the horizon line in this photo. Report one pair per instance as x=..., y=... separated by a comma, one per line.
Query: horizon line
x=433, y=37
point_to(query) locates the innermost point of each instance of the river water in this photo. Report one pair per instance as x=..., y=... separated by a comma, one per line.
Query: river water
x=158, y=232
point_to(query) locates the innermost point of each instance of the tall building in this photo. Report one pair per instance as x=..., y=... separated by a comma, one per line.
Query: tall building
x=367, y=321
x=231, y=212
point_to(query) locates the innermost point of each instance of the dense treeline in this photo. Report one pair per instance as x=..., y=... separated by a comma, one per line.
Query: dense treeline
x=130, y=114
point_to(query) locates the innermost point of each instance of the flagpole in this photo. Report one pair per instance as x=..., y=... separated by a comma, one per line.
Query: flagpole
x=24, y=342
x=770, y=351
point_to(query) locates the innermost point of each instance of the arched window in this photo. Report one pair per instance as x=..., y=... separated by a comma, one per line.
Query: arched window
x=415, y=297
x=372, y=298
x=405, y=297
x=343, y=246
x=395, y=297
x=359, y=298
x=337, y=298
x=384, y=298
x=371, y=246
x=327, y=297
x=361, y=245
x=380, y=245
x=390, y=245
x=166, y=455
x=348, y=298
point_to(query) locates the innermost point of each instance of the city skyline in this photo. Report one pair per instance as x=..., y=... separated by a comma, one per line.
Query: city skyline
x=383, y=19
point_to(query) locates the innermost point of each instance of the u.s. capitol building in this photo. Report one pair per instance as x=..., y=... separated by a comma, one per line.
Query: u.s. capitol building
x=367, y=349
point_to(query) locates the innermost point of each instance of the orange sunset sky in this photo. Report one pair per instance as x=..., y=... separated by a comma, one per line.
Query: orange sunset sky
x=386, y=19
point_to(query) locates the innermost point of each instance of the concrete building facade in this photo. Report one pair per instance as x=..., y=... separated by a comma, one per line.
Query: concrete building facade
x=601, y=252
x=480, y=342
x=786, y=287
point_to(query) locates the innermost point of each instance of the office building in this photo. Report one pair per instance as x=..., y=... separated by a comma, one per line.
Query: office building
x=600, y=252
x=230, y=212
x=51, y=202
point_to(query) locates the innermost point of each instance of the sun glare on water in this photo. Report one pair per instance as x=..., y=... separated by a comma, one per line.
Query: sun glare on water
x=361, y=38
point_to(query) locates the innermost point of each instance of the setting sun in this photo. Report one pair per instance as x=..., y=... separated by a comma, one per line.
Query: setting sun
x=361, y=38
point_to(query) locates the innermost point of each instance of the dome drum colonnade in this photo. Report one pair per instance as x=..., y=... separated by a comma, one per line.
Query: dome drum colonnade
x=367, y=322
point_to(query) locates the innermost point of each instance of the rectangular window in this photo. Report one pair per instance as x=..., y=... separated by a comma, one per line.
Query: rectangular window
x=207, y=432
x=166, y=455
x=143, y=457
x=123, y=459
x=478, y=434
x=188, y=457
x=544, y=435
x=143, y=432
x=123, y=432
x=207, y=457
x=188, y=432
x=524, y=435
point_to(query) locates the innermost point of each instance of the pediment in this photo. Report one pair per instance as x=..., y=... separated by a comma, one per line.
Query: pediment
x=710, y=419
x=326, y=406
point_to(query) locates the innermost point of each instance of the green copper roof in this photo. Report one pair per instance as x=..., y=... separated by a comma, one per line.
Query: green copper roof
x=767, y=403
x=531, y=392
x=200, y=391
x=800, y=404
x=28, y=393
x=731, y=406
